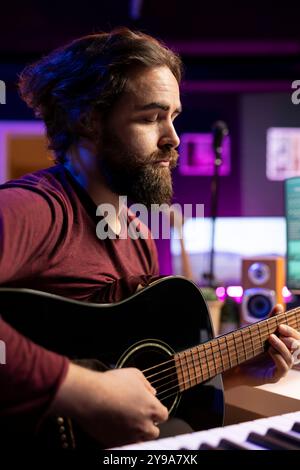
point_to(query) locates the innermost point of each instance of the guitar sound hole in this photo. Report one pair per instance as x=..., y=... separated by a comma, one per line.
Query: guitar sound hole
x=159, y=368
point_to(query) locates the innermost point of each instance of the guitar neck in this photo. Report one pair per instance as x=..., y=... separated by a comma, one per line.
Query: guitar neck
x=205, y=361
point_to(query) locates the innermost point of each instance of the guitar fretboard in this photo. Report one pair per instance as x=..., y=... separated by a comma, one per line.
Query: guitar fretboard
x=203, y=362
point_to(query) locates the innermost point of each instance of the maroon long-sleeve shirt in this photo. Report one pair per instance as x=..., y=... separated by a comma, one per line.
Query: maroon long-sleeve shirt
x=48, y=242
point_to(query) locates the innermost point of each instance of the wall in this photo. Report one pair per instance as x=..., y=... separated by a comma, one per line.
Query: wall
x=260, y=196
x=246, y=191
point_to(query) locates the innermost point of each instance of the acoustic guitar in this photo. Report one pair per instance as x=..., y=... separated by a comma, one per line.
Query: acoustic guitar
x=164, y=330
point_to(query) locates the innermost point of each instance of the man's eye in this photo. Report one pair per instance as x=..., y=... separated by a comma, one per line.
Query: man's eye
x=152, y=119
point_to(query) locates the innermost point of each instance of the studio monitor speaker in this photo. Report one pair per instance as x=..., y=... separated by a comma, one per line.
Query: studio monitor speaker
x=263, y=279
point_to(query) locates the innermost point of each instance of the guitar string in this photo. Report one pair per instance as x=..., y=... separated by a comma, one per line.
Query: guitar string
x=211, y=356
x=189, y=380
x=218, y=341
x=176, y=387
x=259, y=325
x=214, y=351
x=209, y=364
x=204, y=375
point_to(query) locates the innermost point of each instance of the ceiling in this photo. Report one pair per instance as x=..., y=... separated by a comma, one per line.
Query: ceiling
x=230, y=41
x=33, y=27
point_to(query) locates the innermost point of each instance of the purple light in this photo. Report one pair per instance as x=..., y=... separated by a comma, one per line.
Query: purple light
x=197, y=155
x=221, y=293
x=236, y=292
x=287, y=295
x=135, y=9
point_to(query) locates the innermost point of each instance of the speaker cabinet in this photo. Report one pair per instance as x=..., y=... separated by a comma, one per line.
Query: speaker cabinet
x=263, y=279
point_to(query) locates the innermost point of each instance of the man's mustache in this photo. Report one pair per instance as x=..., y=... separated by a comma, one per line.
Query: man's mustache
x=170, y=155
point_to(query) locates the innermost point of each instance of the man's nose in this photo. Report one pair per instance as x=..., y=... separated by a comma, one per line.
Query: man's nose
x=169, y=137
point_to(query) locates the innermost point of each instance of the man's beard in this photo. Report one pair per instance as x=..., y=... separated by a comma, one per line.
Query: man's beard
x=135, y=176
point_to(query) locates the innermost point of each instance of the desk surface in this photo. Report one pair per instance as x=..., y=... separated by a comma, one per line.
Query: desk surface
x=288, y=386
x=268, y=400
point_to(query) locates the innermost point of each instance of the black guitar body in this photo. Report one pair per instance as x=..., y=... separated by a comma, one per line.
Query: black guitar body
x=146, y=329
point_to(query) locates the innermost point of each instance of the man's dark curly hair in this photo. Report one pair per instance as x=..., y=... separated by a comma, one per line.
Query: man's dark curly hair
x=67, y=86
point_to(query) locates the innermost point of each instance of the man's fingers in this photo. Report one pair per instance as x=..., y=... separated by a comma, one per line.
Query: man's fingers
x=281, y=349
x=277, y=310
x=149, y=387
x=291, y=343
x=286, y=330
x=144, y=379
x=161, y=414
x=279, y=362
x=152, y=432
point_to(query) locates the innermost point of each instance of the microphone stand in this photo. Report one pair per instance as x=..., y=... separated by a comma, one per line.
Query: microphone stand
x=220, y=131
x=214, y=210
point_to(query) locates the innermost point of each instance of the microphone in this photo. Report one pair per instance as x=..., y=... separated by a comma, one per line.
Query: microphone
x=219, y=131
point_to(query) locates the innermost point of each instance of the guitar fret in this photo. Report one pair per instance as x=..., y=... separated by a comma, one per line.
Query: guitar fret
x=195, y=369
x=239, y=343
x=206, y=361
x=273, y=323
x=231, y=354
x=246, y=342
x=229, y=360
x=198, y=375
x=234, y=345
x=200, y=362
x=192, y=368
x=188, y=381
x=187, y=378
x=182, y=382
x=238, y=347
x=289, y=321
x=213, y=357
x=264, y=333
x=243, y=344
x=261, y=346
x=228, y=353
x=259, y=335
x=243, y=350
x=221, y=357
x=222, y=351
x=252, y=343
